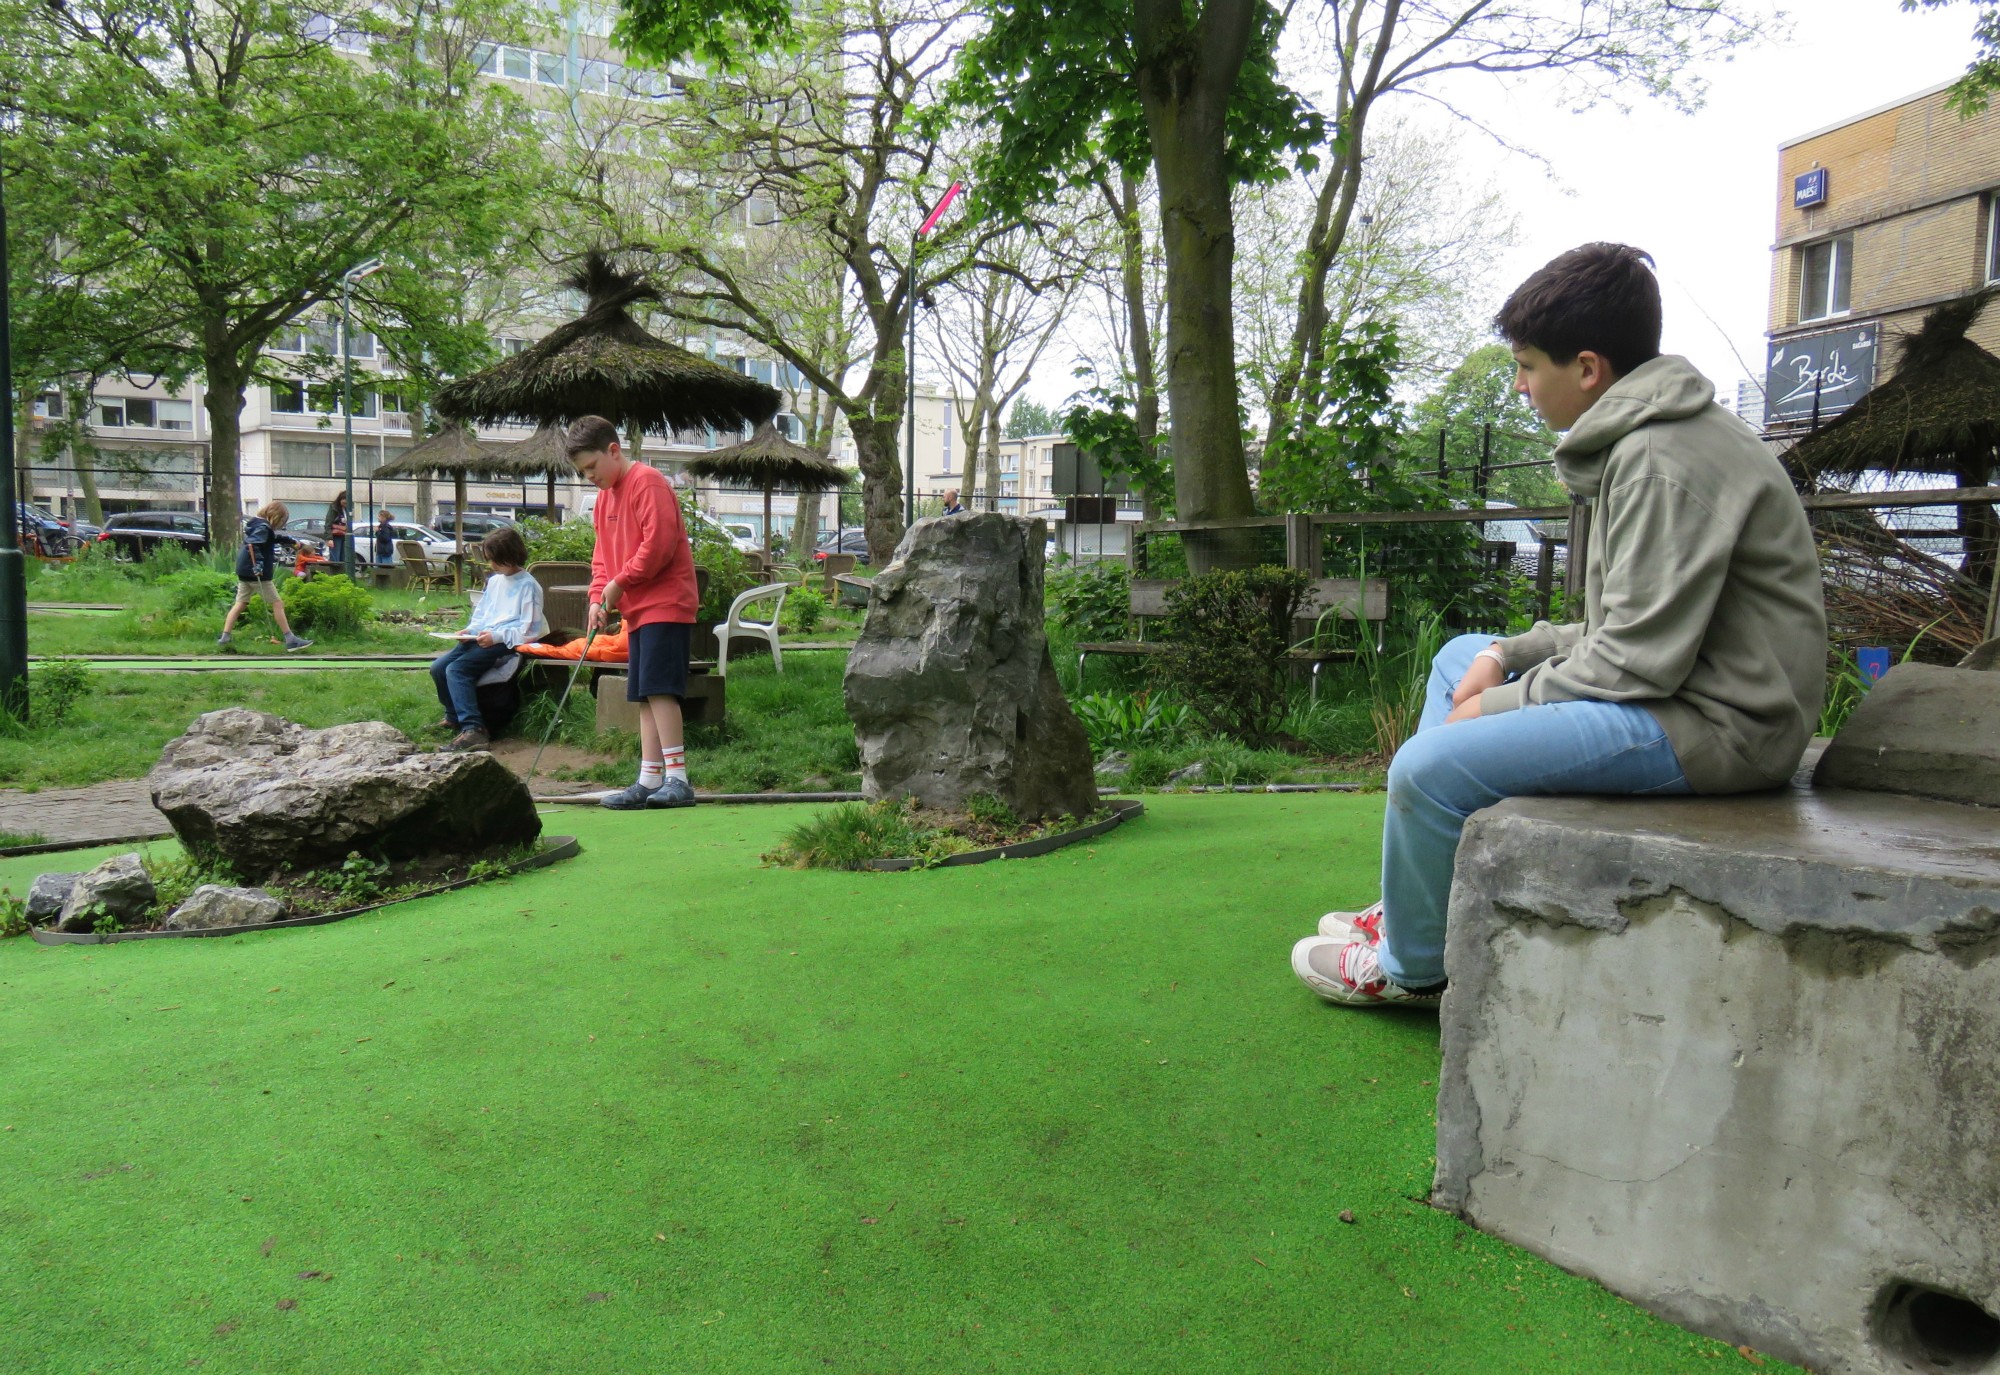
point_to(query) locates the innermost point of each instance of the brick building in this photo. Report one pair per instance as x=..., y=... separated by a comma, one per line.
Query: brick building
x=1880, y=217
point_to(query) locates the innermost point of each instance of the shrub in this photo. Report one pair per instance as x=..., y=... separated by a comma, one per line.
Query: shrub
x=56, y=685
x=806, y=606
x=13, y=915
x=198, y=591
x=1114, y=722
x=728, y=576
x=168, y=559
x=570, y=541
x=1091, y=600
x=1227, y=634
x=329, y=606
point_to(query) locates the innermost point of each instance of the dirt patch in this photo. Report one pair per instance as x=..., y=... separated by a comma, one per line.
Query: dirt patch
x=518, y=754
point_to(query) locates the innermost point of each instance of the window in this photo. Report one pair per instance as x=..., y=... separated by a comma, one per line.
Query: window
x=510, y=346
x=174, y=415
x=1825, y=273
x=288, y=398
x=49, y=405
x=309, y=336
x=110, y=413
x=760, y=210
x=364, y=403
x=361, y=344
x=298, y=458
x=551, y=69
x=514, y=63
x=139, y=411
x=1993, y=236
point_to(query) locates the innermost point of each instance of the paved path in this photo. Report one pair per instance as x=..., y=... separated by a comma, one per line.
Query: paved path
x=248, y=663
x=117, y=810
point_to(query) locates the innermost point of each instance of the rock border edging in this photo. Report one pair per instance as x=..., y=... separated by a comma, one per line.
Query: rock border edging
x=559, y=848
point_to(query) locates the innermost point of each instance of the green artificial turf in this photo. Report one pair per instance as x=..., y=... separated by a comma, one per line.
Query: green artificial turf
x=659, y=1109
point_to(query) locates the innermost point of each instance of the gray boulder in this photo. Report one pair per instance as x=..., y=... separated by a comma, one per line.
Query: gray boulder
x=213, y=906
x=1924, y=730
x=120, y=887
x=47, y=895
x=951, y=688
x=265, y=794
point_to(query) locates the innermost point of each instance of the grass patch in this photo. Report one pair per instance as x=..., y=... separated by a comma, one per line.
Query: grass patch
x=850, y=835
x=660, y=1108
x=11, y=840
x=119, y=728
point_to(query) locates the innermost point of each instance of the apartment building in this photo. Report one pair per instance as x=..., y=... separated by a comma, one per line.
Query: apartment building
x=1880, y=217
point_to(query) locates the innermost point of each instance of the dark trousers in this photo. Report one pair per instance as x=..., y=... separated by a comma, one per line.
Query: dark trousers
x=456, y=675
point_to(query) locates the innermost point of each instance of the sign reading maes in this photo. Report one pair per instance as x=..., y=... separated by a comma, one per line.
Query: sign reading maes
x=1821, y=374
x=1809, y=189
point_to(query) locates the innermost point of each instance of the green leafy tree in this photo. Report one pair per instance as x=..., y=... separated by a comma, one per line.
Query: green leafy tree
x=1088, y=93
x=1477, y=394
x=1030, y=417
x=219, y=166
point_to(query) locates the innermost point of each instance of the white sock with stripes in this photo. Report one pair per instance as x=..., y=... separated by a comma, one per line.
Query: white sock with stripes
x=650, y=775
x=675, y=763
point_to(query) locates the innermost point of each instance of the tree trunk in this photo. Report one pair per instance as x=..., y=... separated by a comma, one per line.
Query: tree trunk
x=1138, y=327
x=993, y=459
x=1211, y=479
x=975, y=429
x=878, y=448
x=224, y=403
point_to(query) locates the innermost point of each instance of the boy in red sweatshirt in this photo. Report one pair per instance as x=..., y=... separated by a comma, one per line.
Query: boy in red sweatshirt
x=643, y=568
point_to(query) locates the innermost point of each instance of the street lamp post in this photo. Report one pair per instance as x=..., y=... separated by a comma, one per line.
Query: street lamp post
x=13, y=572
x=347, y=281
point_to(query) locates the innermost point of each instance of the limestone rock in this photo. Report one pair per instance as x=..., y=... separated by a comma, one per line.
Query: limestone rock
x=951, y=688
x=1116, y=764
x=212, y=905
x=1924, y=730
x=120, y=887
x=47, y=895
x=263, y=794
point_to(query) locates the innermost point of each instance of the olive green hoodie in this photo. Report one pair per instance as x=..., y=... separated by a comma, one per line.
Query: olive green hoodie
x=1703, y=588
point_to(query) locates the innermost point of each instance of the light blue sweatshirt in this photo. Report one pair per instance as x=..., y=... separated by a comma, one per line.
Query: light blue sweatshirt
x=511, y=609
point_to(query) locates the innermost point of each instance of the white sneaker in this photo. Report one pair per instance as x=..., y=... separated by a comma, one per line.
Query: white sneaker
x=1349, y=972
x=1365, y=927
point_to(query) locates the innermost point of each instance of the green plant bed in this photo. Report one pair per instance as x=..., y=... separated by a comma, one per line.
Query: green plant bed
x=898, y=835
x=320, y=897
x=658, y=1109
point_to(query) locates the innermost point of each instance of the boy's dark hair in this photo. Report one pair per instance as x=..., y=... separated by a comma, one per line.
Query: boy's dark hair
x=1602, y=297
x=505, y=545
x=592, y=434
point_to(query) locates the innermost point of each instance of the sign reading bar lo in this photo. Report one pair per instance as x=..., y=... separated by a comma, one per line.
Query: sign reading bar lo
x=1819, y=375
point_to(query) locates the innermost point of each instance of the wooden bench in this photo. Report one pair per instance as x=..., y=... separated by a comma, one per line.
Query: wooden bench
x=1348, y=598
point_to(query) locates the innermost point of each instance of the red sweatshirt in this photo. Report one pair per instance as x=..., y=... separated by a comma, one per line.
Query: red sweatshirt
x=642, y=545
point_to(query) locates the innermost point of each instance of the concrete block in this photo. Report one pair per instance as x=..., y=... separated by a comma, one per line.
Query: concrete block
x=1734, y=1059
x=1924, y=730
x=705, y=701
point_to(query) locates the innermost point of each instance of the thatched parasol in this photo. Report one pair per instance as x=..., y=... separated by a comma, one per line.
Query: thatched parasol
x=771, y=460
x=1939, y=413
x=541, y=452
x=604, y=363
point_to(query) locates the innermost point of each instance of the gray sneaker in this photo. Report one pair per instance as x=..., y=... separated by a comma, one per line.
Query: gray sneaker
x=675, y=792
x=295, y=643
x=224, y=640
x=632, y=799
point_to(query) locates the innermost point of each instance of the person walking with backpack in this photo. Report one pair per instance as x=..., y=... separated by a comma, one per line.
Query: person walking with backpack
x=255, y=572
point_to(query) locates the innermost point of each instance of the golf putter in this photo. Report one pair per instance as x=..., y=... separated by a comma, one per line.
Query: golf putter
x=556, y=720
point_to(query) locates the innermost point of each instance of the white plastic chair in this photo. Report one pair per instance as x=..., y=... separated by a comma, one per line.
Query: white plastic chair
x=766, y=631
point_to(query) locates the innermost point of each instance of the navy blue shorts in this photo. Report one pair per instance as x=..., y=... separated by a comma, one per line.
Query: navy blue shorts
x=657, y=660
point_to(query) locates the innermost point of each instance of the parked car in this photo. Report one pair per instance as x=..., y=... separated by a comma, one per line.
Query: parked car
x=136, y=534
x=436, y=545
x=478, y=525
x=852, y=540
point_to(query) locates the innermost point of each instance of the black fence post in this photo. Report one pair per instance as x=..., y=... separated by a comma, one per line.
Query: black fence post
x=1444, y=467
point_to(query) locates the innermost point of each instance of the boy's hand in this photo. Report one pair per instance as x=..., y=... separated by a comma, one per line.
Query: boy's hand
x=486, y=640
x=1485, y=672
x=596, y=621
x=1466, y=710
x=612, y=592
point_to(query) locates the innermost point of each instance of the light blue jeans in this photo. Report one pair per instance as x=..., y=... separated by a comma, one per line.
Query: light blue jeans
x=1445, y=773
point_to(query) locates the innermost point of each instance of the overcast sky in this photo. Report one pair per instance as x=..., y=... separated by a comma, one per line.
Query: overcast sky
x=1698, y=192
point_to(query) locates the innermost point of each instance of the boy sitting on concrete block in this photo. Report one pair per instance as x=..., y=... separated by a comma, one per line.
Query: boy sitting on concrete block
x=1699, y=666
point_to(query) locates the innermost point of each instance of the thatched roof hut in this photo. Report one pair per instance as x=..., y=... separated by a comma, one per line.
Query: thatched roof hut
x=604, y=363
x=770, y=460
x=1938, y=413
